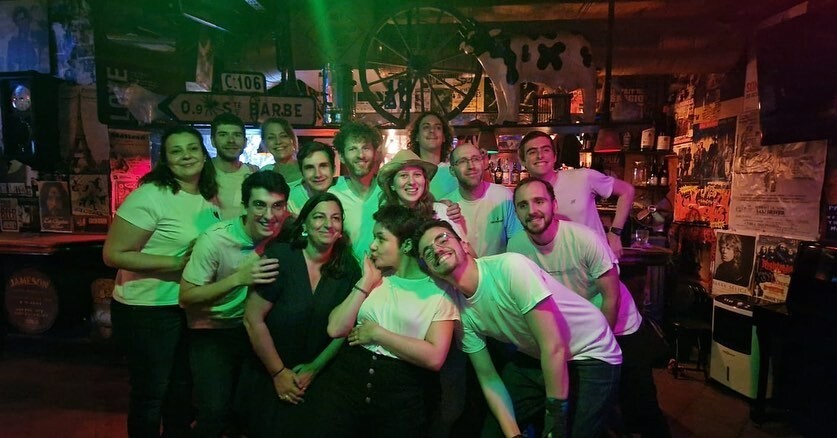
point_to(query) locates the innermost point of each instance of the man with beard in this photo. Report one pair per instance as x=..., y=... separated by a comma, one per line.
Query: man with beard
x=359, y=147
x=578, y=188
x=488, y=218
x=431, y=138
x=580, y=260
x=316, y=163
x=224, y=263
x=566, y=368
x=227, y=132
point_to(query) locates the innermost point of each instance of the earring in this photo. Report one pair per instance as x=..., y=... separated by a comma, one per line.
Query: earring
x=304, y=233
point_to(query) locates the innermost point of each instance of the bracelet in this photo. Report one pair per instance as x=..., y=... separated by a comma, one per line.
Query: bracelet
x=360, y=289
x=273, y=376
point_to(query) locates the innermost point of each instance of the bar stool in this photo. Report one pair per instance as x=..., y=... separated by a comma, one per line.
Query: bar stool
x=689, y=317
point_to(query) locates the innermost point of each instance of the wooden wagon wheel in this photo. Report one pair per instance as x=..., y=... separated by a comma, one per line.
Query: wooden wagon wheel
x=411, y=62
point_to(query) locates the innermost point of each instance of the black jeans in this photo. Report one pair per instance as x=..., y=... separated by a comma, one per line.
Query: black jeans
x=154, y=341
x=216, y=356
x=637, y=393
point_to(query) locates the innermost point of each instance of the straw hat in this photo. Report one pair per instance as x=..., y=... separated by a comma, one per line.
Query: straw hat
x=402, y=159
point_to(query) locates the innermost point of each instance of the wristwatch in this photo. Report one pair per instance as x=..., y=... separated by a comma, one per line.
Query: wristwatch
x=616, y=231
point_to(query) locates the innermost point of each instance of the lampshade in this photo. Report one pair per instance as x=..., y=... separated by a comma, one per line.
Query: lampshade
x=608, y=141
x=487, y=141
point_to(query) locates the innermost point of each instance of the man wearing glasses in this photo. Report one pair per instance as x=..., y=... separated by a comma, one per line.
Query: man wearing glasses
x=565, y=372
x=488, y=216
x=224, y=262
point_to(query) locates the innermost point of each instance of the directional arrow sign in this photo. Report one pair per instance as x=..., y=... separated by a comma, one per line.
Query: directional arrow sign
x=203, y=107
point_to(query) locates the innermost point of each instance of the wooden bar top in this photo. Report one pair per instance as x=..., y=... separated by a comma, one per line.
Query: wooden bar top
x=648, y=255
x=46, y=243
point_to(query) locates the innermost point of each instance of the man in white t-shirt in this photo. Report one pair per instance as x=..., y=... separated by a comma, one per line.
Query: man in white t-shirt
x=431, y=138
x=488, y=218
x=578, y=258
x=316, y=163
x=577, y=188
x=560, y=338
x=359, y=146
x=227, y=133
x=224, y=263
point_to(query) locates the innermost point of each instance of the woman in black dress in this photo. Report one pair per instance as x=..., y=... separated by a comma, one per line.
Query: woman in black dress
x=287, y=320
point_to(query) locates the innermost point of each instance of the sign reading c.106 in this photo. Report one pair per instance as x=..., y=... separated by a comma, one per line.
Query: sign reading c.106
x=203, y=107
x=243, y=82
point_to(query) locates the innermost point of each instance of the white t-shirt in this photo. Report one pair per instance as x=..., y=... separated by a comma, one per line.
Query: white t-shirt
x=510, y=285
x=229, y=190
x=357, y=220
x=217, y=254
x=576, y=258
x=297, y=198
x=175, y=220
x=407, y=307
x=576, y=190
x=443, y=182
x=489, y=222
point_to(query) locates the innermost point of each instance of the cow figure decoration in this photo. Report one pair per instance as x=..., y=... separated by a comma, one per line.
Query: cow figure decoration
x=562, y=61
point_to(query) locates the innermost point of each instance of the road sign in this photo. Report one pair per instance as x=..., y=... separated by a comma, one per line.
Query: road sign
x=203, y=107
x=243, y=82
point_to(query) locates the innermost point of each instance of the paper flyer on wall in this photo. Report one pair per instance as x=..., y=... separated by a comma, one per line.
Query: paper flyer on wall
x=90, y=201
x=777, y=189
x=8, y=215
x=733, y=265
x=129, y=160
x=54, y=201
x=708, y=203
x=775, y=257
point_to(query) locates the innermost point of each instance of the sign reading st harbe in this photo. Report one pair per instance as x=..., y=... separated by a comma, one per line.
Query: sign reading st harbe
x=189, y=107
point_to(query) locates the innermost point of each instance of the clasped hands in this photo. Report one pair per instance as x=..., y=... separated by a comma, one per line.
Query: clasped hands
x=290, y=384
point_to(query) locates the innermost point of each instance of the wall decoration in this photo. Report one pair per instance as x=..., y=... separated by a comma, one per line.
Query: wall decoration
x=54, y=199
x=733, y=267
x=129, y=161
x=776, y=189
x=708, y=203
x=24, y=42
x=8, y=215
x=90, y=203
x=72, y=33
x=775, y=257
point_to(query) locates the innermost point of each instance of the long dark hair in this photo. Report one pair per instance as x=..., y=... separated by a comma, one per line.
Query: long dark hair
x=342, y=261
x=413, y=143
x=162, y=176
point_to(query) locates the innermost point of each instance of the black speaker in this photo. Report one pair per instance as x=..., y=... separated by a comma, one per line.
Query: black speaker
x=29, y=109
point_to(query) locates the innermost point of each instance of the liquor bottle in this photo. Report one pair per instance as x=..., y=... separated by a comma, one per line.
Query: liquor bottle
x=498, y=173
x=515, y=173
x=524, y=173
x=665, y=129
x=506, y=173
x=653, y=179
x=664, y=173
x=626, y=141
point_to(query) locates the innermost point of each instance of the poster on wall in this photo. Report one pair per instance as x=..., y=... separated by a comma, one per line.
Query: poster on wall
x=708, y=203
x=24, y=36
x=776, y=189
x=775, y=257
x=129, y=160
x=72, y=34
x=733, y=266
x=90, y=204
x=54, y=200
x=8, y=215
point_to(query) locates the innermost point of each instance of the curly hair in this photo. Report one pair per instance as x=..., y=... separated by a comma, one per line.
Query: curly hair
x=734, y=243
x=356, y=130
x=415, y=128
x=401, y=222
x=162, y=176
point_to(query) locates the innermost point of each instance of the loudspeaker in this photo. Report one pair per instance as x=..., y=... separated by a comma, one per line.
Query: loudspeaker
x=735, y=355
x=29, y=110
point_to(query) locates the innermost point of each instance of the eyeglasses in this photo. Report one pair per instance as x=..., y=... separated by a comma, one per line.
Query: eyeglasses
x=261, y=207
x=441, y=241
x=473, y=161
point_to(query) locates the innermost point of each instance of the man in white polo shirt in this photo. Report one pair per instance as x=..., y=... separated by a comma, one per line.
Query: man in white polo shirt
x=567, y=364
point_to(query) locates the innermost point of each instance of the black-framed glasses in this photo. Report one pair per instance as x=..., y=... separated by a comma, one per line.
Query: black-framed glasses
x=473, y=161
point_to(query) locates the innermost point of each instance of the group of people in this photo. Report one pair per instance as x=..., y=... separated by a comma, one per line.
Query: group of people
x=288, y=302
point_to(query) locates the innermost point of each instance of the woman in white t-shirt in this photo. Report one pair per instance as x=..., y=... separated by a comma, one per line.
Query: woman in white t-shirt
x=150, y=242
x=399, y=326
